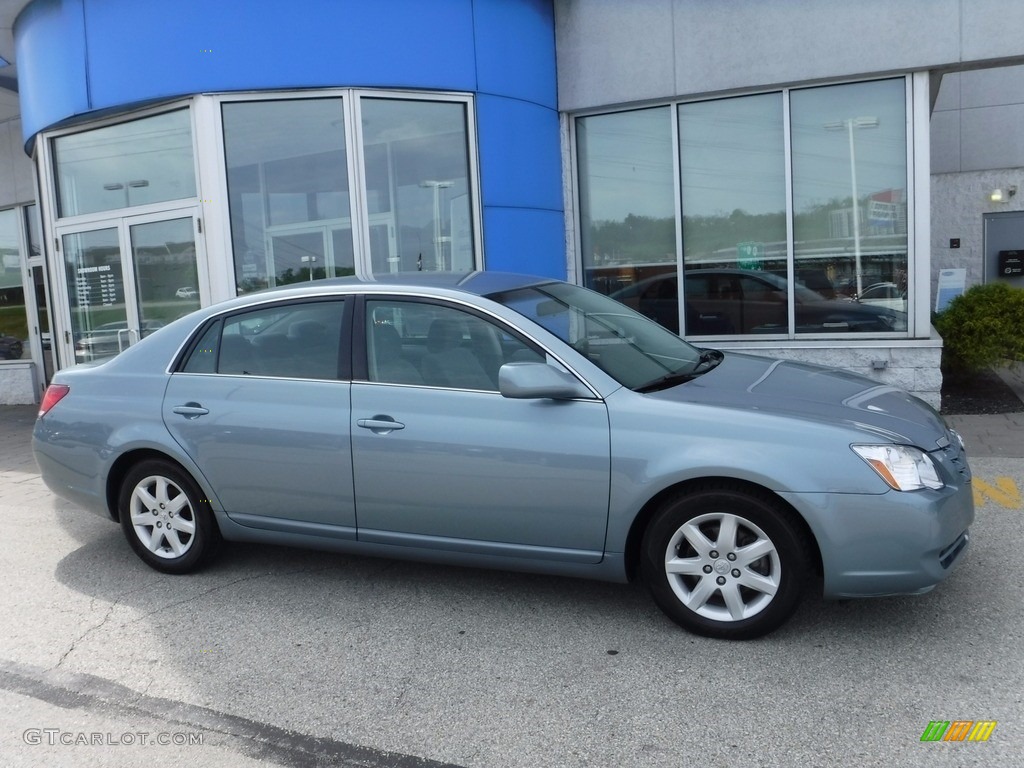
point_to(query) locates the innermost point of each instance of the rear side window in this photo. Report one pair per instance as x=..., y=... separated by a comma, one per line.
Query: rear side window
x=203, y=357
x=301, y=340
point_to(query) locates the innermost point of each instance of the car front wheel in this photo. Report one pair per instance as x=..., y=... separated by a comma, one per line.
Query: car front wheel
x=165, y=518
x=724, y=562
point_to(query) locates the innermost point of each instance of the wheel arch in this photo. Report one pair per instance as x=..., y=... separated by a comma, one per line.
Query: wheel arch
x=123, y=464
x=643, y=518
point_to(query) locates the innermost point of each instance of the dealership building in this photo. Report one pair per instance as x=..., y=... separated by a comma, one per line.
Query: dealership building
x=805, y=180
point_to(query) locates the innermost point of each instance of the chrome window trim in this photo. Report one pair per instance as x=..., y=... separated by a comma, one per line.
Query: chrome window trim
x=395, y=291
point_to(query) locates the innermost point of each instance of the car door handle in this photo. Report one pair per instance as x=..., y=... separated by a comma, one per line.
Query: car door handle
x=380, y=424
x=190, y=410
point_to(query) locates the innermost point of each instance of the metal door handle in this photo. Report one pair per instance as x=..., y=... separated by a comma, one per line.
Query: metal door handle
x=190, y=410
x=380, y=424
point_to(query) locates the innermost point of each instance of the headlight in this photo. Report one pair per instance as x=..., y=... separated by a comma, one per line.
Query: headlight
x=902, y=467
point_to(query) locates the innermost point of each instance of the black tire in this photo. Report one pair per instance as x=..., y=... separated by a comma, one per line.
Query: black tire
x=166, y=519
x=735, y=584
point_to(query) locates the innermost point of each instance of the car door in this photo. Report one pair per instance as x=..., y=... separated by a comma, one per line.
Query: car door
x=261, y=405
x=441, y=460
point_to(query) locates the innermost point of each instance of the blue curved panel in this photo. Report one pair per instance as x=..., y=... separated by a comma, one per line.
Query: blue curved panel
x=516, y=49
x=520, y=153
x=49, y=39
x=200, y=45
x=78, y=56
x=525, y=240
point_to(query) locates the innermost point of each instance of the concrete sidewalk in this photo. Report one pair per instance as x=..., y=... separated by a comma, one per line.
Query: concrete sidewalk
x=999, y=435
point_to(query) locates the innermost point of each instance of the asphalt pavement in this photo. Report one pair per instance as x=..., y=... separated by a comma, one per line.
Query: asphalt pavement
x=275, y=656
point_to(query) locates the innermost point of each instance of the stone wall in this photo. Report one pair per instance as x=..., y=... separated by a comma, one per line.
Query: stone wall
x=17, y=384
x=959, y=202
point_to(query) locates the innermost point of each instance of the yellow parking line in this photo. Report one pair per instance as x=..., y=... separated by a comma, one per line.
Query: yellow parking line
x=1002, y=491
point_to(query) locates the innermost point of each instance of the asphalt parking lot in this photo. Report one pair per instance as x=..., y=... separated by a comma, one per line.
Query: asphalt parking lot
x=285, y=657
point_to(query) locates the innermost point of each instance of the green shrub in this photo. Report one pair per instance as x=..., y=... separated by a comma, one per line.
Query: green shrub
x=982, y=328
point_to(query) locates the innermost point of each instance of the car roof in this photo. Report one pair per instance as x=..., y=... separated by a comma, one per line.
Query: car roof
x=480, y=283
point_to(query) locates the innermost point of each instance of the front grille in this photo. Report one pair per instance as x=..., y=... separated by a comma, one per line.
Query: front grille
x=952, y=552
x=955, y=453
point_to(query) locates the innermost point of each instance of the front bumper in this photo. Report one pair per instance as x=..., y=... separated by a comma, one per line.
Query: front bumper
x=895, y=543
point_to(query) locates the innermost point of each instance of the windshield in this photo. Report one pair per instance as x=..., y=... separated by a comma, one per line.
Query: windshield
x=634, y=350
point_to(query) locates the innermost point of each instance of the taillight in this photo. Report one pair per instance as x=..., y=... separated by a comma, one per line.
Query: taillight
x=54, y=394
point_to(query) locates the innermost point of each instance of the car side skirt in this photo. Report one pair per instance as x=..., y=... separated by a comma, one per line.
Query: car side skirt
x=611, y=567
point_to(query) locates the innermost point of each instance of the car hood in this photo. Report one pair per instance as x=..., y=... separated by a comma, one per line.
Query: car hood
x=817, y=393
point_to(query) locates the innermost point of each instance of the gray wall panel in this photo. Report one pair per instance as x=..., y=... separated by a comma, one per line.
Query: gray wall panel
x=992, y=137
x=945, y=142
x=612, y=47
x=766, y=43
x=949, y=92
x=16, y=180
x=7, y=188
x=992, y=29
x=992, y=87
x=616, y=52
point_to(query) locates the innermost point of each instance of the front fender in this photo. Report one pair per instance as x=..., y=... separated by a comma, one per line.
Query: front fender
x=655, y=448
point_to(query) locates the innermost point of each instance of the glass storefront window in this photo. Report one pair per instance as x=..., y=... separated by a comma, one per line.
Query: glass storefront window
x=288, y=190
x=825, y=255
x=627, y=203
x=13, y=318
x=850, y=196
x=734, y=215
x=416, y=161
x=33, y=231
x=143, y=161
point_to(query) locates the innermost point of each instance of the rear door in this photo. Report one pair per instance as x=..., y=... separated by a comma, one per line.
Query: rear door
x=261, y=404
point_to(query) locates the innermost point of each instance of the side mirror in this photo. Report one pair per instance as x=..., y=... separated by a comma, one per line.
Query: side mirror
x=526, y=381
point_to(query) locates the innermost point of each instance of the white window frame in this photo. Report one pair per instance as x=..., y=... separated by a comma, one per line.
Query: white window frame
x=216, y=178
x=917, y=112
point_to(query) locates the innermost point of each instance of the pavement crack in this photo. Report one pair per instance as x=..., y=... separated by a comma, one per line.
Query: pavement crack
x=95, y=627
x=220, y=587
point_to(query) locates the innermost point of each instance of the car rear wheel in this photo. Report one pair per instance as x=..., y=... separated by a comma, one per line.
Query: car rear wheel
x=165, y=517
x=725, y=562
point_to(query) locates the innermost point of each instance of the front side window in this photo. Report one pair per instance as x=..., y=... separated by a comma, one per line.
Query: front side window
x=149, y=160
x=296, y=341
x=626, y=345
x=429, y=344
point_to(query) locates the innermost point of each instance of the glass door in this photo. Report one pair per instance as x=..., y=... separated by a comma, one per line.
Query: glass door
x=126, y=280
x=94, y=271
x=166, y=271
x=42, y=317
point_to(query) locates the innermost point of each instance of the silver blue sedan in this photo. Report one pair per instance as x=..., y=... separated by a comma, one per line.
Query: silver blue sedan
x=511, y=422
